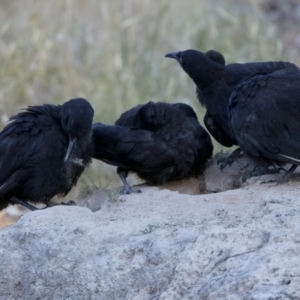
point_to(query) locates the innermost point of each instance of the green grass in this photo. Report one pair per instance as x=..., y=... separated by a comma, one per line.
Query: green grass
x=112, y=53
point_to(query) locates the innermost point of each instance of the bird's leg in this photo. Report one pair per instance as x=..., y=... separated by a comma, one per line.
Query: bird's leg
x=70, y=203
x=25, y=204
x=123, y=173
x=285, y=177
x=224, y=161
x=261, y=168
x=259, y=171
x=287, y=174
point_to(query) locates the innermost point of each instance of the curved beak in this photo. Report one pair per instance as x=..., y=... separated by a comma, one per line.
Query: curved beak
x=172, y=55
x=71, y=148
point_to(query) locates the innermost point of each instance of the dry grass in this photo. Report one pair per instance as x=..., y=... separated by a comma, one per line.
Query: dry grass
x=112, y=52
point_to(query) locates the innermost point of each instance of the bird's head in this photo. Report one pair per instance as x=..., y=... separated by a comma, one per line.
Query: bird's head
x=76, y=119
x=201, y=67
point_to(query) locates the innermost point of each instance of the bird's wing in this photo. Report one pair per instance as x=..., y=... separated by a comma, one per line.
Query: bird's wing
x=18, y=142
x=217, y=131
x=12, y=182
x=236, y=73
x=264, y=115
x=130, y=148
x=128, y=117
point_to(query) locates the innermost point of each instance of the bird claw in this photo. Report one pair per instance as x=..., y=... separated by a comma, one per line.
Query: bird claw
x=223, y=162
x=285, y=177
x=128, y=191
x=259, y=171
x=70, y=203
x=229, y=160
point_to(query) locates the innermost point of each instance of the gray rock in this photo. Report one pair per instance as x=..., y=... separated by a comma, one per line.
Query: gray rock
x=229, y=178
x=238, y=244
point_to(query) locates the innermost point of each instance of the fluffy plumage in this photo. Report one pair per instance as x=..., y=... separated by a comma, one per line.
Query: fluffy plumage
x=158, y=141
x=43, y=151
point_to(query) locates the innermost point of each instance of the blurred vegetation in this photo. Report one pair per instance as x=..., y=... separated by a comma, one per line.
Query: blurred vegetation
x=112, y=52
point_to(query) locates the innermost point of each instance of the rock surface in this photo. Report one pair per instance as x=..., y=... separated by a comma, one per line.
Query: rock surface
x=237, y=244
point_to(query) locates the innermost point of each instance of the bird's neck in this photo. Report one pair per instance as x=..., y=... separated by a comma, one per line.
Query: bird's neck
x=208, y=77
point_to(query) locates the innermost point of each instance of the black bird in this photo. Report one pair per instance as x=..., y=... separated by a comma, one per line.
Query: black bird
x=264, y=117
x=215, y=82
x=160, y=142
x=43, y=151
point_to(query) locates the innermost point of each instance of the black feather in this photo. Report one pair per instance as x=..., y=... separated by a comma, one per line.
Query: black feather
x=264, y=116
x=158, y=141
x=215, y=83
x=33, y=148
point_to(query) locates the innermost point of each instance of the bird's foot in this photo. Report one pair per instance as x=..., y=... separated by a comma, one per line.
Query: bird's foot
x=285, y=177
x=126, y=190
x=225, y=161
x=69, y=203
x=259, y=171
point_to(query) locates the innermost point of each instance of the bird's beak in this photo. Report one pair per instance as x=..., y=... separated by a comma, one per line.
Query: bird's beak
x=71, y=148
x=172, y=55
